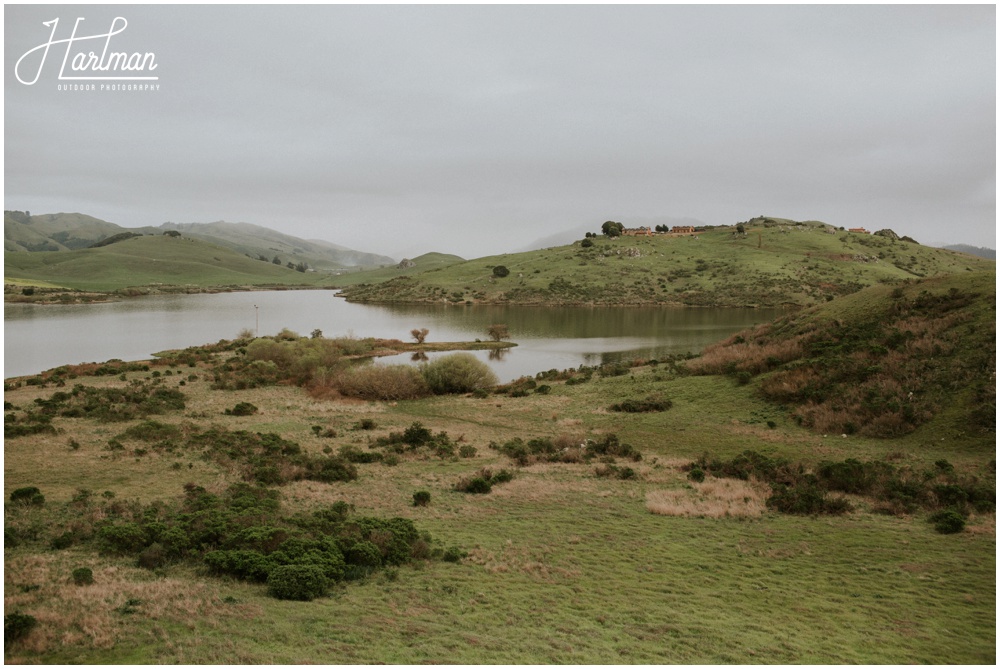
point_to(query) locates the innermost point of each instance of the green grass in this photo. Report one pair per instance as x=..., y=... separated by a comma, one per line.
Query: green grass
x=778, y=264
x=563, y=567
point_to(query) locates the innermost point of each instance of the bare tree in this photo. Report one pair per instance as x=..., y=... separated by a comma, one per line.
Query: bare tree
x=498, y=331
x=419, y=335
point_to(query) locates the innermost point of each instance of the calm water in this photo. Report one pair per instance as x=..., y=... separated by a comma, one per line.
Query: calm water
x=41, y=337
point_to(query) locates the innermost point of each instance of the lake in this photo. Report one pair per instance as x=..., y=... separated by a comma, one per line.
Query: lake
x=42, y=337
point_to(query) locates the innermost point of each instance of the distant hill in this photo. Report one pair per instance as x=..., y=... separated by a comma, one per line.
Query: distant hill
x=64, y=232
x=407, y=266
x=149, y=261
x=980, y=251
x=772, y=262
x=258, y=241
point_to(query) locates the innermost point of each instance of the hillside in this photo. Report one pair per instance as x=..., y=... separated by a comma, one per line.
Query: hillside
x=148, y=261
x=62, y=232
x=54, y=232
x=774, y=262
x=405, y=267
x=260, y=242
x=883, y=362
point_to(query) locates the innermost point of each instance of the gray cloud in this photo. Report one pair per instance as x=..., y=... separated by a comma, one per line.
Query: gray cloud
x=475, y=130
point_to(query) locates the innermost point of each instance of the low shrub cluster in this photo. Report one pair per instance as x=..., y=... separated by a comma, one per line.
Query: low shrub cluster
x=416, y=437
x=652, y=403
x=564, y=448
x=482, y=482
x=138, y=399
x=266, y=458
x=242, y=534
x=612, y=471
x=27, y=423
x=892, y=489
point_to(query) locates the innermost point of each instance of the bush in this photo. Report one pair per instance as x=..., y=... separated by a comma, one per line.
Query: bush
x=297, y=582
x=242, y=409
x=30, y=496
x=500, y=271
x=453, y=554
x=648, y=405
x=83, y=576
x=948, y=521
x=458, y=373
x=383, y=382
x=16, y=626
x=477, y=485
x=805, y=499
x=467, y=451
x=696, y=474
x=421, y=498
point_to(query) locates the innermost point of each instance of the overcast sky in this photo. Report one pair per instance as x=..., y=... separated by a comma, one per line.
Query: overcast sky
x=477, y=130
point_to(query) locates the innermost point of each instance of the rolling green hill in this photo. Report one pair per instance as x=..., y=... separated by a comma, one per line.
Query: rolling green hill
x=151, y=260
x=63, y=232
x=774, y=262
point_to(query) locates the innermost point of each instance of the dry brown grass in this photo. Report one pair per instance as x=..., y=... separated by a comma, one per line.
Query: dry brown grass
x=100, y=615
x=713, y=498
x=755, y=355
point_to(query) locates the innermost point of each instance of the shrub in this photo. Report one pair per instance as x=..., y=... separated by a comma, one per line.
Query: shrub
x=30, y=496
x=648, y=405
x=421, y=498
x=242, y=409
x=297, y=582
x=16, y=626
x=948, y=521
x=500, y=271
x=453, y=554
x=83, y=576
x=383, y=382
x=467, y=451
x=697, y=474
x=458, y=373
x=363, y=554
x=477, y=485
x=805, y=499
x=611, y=446
x=62, y=542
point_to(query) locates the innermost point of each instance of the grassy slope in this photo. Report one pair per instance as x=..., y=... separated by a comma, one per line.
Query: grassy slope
x=424, y=263
x=769, y=266
x=563, y=567
x=149, y=260
x=878, y=360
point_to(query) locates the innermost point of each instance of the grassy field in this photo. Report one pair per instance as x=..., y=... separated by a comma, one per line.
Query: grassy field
x=775, y=262
x=561, y=564
x=149, y=262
